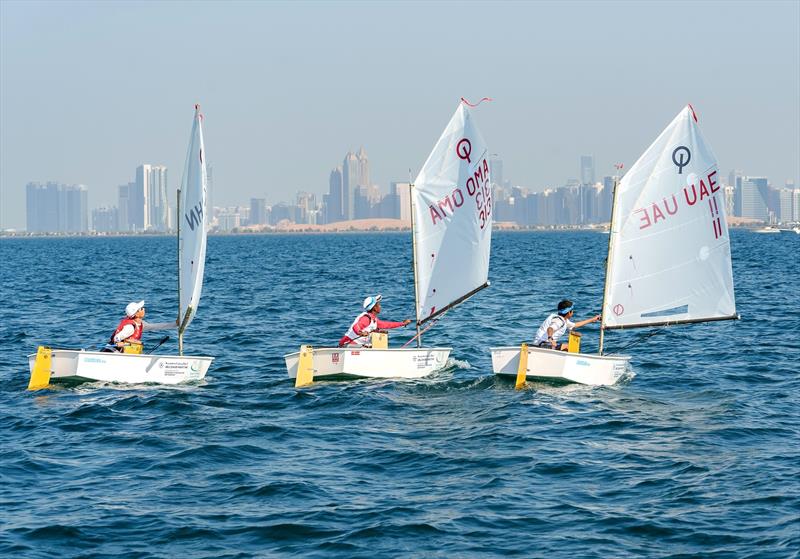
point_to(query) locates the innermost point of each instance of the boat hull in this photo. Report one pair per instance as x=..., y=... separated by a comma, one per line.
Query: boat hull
x=126, y=368
x=598, y=370
x=372, y=363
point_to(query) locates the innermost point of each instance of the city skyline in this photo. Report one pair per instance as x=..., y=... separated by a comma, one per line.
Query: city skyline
x=143, y=204
x=277, y=119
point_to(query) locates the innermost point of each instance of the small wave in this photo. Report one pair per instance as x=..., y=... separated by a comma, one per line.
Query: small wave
x=453, y=363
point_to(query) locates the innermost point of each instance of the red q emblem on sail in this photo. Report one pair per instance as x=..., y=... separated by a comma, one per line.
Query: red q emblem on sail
x=618, y=309
x=464, y=149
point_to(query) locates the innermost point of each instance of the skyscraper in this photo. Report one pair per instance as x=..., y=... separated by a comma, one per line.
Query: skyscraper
x=336, y=200
x=210, y=186
x=587, y=169
x=105, y=219
x=789, y=199
x=402, y=190
x=124, y=206
x=754, y=206
x=350, y=167
x=57, y=208
x=363, y=167
x=496, y=168
x=150, y=195
x=361, y=203
x=258, y=211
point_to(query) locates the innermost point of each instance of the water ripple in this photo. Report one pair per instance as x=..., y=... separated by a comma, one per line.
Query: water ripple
x=693, y=454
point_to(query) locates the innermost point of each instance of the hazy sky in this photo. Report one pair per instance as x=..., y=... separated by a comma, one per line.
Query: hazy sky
x=90, y=90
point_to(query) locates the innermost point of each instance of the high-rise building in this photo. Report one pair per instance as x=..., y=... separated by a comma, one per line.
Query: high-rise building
x=105, y=219
x=402, y=192
x=587, y=169
x=124, y=206
x=150, y=195
x=57, y=208
x=753, y=202
x=363, y=168
x=350, y=168
x=735, y=180
x=496, y=170
x=790, y=204
x=137, y=203
x=361, y=203
x=730, y=195
x=258, y=211
x=336, y=201
x=306, y=205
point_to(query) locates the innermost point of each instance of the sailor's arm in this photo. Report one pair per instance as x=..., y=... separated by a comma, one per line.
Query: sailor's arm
x=388, y=324
x=587, y=321
x=158, y=325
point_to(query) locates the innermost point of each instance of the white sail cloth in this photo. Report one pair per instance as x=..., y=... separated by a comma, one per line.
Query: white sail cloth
x=669, y=251
x=193, y=224
x=452, y=204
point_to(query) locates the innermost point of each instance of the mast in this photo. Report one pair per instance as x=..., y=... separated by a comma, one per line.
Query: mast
x=608, y=262
x=414, y=262
x=178, y=217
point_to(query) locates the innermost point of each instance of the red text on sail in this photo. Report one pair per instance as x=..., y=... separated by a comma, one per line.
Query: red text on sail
x=477, y=186
x=691, y=194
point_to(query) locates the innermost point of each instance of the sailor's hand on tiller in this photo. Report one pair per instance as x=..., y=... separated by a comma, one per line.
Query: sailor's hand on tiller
x=406, y=322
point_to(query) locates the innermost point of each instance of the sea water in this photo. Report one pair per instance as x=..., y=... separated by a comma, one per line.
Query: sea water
x=697, y=453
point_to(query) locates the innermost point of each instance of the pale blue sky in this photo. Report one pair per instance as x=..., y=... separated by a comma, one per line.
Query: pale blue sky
x=90, y=90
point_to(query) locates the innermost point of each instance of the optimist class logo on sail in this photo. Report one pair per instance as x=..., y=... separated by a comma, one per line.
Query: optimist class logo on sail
x=477, y=186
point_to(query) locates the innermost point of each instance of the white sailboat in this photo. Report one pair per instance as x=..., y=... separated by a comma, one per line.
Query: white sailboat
x=451, y=222
x=669, y=257
x=52, y=364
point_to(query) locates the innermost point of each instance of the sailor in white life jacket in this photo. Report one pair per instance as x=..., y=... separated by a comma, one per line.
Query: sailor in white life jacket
x=358, y=333
x=130, y=328
x=555, y=325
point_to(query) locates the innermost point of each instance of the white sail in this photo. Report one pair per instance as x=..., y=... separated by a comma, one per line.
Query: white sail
x=452, y=204
x=669, y=251
x=193, y=224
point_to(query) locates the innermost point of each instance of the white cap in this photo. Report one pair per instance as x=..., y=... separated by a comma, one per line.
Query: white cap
x=133, y=308
x=370, y=302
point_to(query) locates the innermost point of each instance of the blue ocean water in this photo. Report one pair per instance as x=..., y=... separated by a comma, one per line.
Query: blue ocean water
x=697, y=455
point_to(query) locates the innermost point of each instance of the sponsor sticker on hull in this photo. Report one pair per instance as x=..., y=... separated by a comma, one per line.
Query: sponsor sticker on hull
x=170, y=368
x=424, y=361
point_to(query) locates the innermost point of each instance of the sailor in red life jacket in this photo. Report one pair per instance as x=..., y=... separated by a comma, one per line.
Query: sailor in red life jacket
x=358, y=333
x=131, y=327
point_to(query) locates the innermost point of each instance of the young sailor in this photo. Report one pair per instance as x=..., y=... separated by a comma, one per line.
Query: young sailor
x=129, y=331
x=555, y=325
x=367, y=322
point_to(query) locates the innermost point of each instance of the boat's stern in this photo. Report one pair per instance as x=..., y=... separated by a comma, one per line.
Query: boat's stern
x=583, y=368
x=372, y=363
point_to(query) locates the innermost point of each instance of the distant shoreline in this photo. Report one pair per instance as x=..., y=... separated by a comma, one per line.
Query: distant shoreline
x=317, y=231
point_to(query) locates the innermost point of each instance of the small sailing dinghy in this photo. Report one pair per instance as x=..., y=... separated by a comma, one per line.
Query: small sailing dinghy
x=669, y=257
x=67, y=364
x=451, y=223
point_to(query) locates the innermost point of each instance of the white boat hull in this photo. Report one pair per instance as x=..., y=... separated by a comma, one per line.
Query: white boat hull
x=68, y=364
x=372, y=363
x=599, y=370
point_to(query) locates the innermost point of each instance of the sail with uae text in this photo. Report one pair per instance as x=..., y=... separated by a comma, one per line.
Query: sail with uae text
x=669, y=251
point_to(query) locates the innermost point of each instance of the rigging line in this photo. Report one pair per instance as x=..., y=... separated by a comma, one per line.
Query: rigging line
x=431, y=325
x=640, y=340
